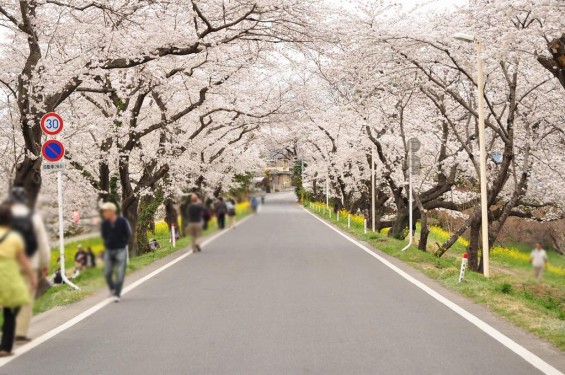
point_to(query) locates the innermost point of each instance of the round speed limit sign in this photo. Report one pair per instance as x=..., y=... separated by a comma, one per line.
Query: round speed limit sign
x=51, y=123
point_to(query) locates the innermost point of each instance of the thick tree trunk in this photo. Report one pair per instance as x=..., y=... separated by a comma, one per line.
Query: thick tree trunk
x=473, y=249
x=104, y=178
x=147, y=209
x=398, y=229
x=129, y=211
x=28, y=176
x=424, y=232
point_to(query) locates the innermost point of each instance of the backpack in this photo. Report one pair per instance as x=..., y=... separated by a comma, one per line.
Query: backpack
x=24, y=226
x=231, y=208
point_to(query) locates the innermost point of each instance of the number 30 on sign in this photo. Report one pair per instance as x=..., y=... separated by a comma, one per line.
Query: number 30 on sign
x=51, y=123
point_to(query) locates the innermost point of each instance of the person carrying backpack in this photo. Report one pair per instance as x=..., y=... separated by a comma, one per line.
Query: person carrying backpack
x=195, y=210
x=13, y=290
x=29, y=225
x=230, y=204
x=221, y=211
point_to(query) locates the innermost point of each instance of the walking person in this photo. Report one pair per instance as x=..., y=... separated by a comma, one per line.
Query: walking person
x=195, y=211
x=254, y=204
x=14, y=292
x=75, y=216
x=116, y=233
x=230, y=204
x=221, y=211
x=207, y=215
x=538, y=259
x=172, y=218
x=29, y=225
x=183, y=217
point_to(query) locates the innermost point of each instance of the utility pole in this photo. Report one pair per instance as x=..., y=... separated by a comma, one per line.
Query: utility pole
x=302, y=179
x=482, y=148
x=483, y=168
x=413, y=146
x=328, y=192
x=373, y=188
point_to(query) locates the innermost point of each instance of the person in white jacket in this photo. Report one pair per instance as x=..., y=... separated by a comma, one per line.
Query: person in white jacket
x=39, y=260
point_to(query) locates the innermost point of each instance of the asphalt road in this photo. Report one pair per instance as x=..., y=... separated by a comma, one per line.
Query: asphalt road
x=281, y=294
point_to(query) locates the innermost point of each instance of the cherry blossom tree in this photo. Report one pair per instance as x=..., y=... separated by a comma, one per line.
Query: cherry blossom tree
x=56, y=46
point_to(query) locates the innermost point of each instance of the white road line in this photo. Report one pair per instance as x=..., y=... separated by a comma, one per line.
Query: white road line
x=82, y=316
x=528, y=356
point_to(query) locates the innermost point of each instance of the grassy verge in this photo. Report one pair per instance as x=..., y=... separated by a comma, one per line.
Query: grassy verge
x=92, y=280
x=512, y=292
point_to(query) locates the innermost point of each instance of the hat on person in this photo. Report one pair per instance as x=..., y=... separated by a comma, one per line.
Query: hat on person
x=108, y=206
x=18, y=194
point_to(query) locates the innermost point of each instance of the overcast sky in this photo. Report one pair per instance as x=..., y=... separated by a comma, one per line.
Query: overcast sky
x=437, y=3
x=431, y=4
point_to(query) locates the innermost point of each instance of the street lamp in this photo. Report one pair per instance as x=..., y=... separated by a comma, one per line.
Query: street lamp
x=483, y=168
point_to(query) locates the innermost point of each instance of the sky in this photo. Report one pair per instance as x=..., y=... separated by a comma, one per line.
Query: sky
x=437, y=3
x=431, y=4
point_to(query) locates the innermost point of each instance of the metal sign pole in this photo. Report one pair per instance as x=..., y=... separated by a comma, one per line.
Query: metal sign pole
x=328, y=192
x=409, y=196
x=62, y=231
x=373, y=188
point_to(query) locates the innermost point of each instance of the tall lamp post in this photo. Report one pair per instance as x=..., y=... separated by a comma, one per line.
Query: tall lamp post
x=373, y=188
x=483, y=168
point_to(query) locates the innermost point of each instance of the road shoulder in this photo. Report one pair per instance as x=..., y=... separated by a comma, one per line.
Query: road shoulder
x=535, y=345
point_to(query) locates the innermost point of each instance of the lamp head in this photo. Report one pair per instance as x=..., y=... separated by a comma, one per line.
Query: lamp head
x=469, y=38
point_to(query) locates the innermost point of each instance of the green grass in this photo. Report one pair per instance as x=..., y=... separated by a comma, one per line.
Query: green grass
x=511, y=291
x=92, y=280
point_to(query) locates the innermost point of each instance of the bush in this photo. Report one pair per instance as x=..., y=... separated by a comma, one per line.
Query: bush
x=505, y=288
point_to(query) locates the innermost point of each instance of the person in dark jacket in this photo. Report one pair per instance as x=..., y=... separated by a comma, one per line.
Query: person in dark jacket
x=221, y=211
x=116, y=233
x=207, y=214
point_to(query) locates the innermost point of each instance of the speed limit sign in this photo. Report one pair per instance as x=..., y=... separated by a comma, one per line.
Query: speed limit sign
x=51, y=123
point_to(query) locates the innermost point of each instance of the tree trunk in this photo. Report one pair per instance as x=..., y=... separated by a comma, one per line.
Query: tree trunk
x=148, y=205
x=104, y=171
x=28, y=176
x=473, y=249
x=129, y=211
x=424, y=232
x=398, y=229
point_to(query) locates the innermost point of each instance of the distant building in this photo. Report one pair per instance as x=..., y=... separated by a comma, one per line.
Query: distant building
x=279, y=171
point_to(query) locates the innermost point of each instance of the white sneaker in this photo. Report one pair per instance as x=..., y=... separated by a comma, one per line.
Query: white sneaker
x=117, y=299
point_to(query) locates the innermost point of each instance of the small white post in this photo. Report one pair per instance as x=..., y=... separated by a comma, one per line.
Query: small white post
x=62, y=231
x=464, y=262
x=174, y=234
x=349, y=220
x=365, y=225
x=338, y=216
x=330, y=212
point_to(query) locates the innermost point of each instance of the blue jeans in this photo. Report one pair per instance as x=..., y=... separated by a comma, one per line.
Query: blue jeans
x=115, y=262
